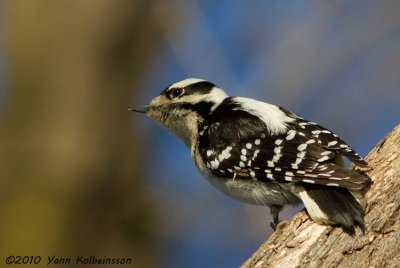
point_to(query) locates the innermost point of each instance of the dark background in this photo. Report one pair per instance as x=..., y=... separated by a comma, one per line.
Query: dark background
x=82, y=176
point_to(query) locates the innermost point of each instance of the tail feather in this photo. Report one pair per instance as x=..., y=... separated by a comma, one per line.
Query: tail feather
x=333, y=205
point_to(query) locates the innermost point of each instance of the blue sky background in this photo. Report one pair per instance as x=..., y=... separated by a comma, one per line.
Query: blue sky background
x=336, y=63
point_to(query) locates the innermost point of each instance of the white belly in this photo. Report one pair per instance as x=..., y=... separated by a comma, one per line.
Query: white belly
x=249, y=190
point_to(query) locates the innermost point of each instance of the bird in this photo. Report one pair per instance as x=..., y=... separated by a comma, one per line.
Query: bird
x=263, y=154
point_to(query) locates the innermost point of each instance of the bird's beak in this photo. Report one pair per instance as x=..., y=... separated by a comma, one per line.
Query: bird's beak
x=143, y=110
x=152, y=106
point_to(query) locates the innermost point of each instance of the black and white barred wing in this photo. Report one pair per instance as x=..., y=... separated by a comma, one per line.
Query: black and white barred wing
x=326, y=139
x=304, y=153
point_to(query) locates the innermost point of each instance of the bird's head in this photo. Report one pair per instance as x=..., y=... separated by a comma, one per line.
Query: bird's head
x=183, y=106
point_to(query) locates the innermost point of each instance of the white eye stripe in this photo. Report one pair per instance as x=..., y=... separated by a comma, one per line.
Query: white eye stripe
x=186, y=82
x=215, y=96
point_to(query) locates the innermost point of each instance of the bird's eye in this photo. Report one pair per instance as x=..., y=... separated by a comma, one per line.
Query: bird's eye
x=175, y=93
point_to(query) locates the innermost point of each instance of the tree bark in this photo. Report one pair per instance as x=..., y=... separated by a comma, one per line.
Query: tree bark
x=301, y=242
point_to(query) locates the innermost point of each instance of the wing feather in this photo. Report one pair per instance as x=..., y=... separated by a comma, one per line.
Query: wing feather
x=240, y=146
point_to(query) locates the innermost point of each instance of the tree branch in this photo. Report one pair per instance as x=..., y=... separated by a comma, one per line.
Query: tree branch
x=300, y=242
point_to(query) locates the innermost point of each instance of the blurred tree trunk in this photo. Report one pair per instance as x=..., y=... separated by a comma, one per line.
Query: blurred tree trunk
x=301, y=243
x=70, y=179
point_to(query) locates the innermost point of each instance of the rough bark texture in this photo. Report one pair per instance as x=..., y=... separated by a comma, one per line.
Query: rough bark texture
x=300, y=242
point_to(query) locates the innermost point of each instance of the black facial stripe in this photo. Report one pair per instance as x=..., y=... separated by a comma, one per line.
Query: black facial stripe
x=203, y=108
x=199, y=88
